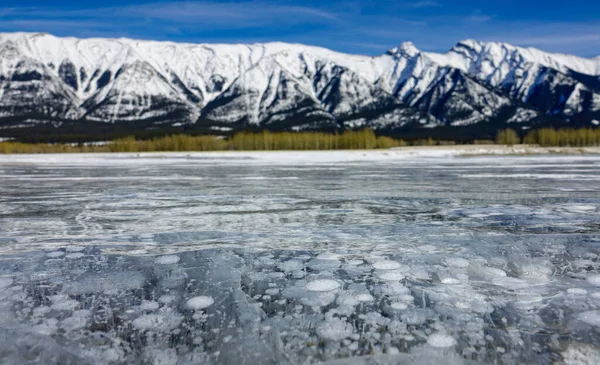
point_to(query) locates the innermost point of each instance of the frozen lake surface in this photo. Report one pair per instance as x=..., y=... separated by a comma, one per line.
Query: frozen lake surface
x=336, y=258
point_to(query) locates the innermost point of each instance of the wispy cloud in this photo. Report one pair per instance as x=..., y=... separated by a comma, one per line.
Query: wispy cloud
x=346, y=25
x=200, y=12
x=561, y=40
x=218, y=11
x=368, y=45
x=570, y=37
x=478, y=17
x=422, y=4
x=183, y=20
x=49, y=23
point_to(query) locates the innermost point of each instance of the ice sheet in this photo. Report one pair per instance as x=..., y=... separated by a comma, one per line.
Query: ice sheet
x=384, y=260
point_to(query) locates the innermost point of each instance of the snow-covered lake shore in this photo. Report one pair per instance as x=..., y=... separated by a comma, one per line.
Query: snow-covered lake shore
x=284, y=157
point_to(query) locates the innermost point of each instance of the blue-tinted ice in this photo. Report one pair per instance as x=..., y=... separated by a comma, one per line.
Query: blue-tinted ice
x=194, y=260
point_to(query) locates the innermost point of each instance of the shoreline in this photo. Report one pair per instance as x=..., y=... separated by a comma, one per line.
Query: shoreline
x=320, y=156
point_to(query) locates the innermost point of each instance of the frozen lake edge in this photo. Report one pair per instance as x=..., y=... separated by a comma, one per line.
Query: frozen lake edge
x=325, y=156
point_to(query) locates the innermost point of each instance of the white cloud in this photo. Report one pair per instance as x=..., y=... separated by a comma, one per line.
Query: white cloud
x=423, y=4
x=349, y=26
x=178, y=11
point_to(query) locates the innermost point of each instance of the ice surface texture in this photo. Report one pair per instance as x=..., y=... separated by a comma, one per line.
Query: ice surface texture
x=359, y=260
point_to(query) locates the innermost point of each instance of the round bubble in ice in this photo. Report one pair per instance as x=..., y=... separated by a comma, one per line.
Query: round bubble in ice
x=354, y=262
x=200, y=302
x=75, y=249
x=364, y=297
x=457, y=262
x=392, y=276
x=450, y=281
x=590, y=317
x=441, y=340
x=157, y=322
x=323, y=285
x=329, y=256
x=166, y=299
x=386, y=265
x=493, y=271
x=594, y=280
x=65, y=305
x=335, y=329
x=167, y=260
x=5, y=282
x=291, y=265
x=399, y=306
x=577, y=291
x=149, y=305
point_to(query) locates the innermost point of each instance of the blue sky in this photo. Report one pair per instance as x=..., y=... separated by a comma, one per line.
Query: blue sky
x=356, y=26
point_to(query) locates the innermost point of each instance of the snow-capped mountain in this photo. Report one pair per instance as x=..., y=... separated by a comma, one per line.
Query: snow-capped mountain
x=287, y=86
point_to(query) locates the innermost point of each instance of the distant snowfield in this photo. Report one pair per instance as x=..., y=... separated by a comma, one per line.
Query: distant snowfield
x=296, y=157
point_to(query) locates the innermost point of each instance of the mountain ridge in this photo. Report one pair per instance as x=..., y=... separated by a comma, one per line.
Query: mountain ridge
x=288, y=86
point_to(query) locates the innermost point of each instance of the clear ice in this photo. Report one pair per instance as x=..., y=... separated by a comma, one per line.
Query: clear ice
x=175, y=260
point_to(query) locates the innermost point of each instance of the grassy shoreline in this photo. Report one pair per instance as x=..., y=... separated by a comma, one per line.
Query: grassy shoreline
x=301, y=141
x=243, y=141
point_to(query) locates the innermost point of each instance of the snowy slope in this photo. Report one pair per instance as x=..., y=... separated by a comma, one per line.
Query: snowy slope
x=287, y=86
x=487, y=58
x=552, y=83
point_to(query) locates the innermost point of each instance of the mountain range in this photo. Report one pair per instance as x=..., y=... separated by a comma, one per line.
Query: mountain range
x=69, y=85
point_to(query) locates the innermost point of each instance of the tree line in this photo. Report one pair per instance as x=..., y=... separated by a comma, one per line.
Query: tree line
x=272, y=141
x=242, y=141
x=550, y=137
